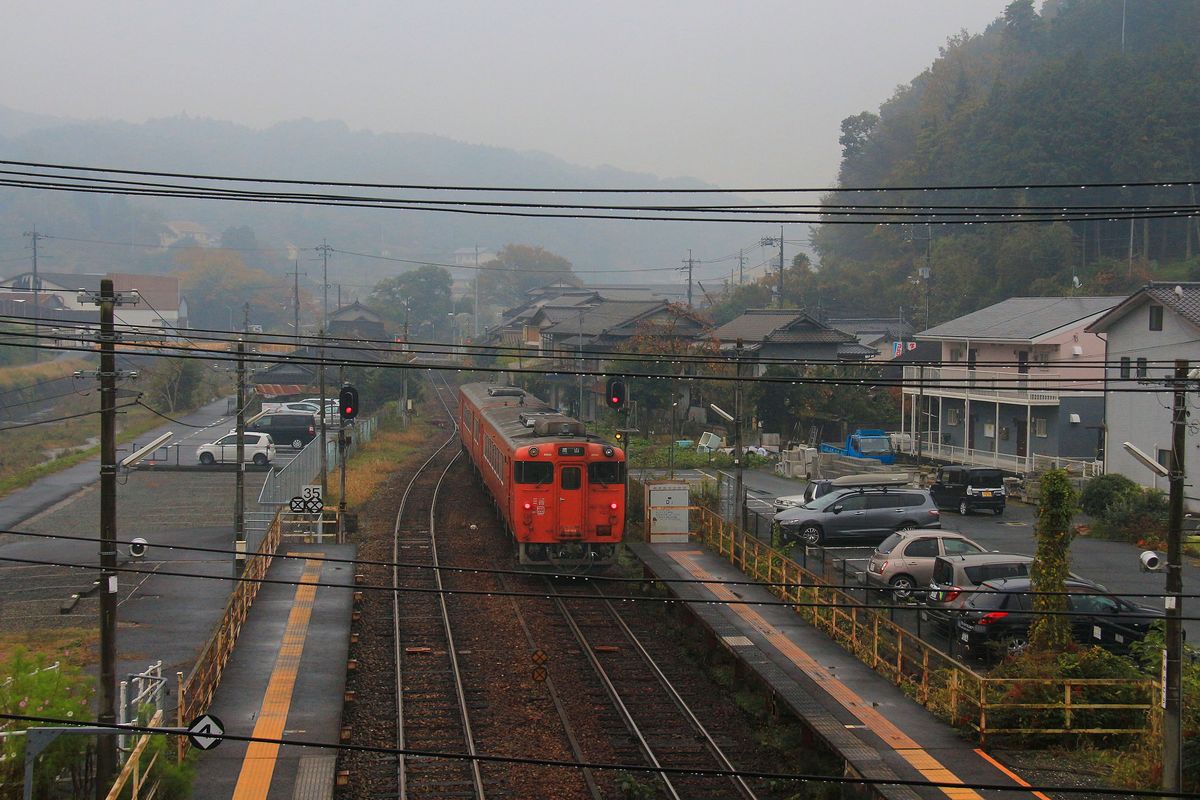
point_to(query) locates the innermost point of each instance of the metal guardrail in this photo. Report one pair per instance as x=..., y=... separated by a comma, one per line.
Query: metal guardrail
x=943, y=685
x=196, y=692
x=281, y=485
x=1009, y=461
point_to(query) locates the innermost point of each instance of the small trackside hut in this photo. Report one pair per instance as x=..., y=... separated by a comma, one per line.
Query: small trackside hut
x=559, y=490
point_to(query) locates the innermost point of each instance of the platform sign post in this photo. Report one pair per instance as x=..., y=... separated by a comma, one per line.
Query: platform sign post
x=666, y=504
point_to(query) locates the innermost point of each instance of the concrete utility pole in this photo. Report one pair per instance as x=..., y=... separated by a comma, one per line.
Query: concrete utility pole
x=239, y=503
x=767, y=241
x=739, y=489
x=690, y=262
x=741, y=267
x=1172, y=751
x=342, y=453
x=404, y=411
x=106, y=754
x=295, y=273
x=36, y=285
x=321, y=380
x=475, y=327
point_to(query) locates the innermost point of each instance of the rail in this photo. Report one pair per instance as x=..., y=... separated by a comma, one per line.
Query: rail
x=196, y=692
x=988, y=706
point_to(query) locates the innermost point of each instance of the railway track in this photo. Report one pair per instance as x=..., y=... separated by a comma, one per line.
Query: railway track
x=431, y=701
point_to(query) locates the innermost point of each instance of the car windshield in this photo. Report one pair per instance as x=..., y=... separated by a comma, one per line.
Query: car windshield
x=986, y=477
x=875, y=445
x=889, y=544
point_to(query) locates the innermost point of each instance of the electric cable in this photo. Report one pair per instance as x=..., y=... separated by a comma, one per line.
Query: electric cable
x=526, y=573
x=60, y=419
x=597, y=765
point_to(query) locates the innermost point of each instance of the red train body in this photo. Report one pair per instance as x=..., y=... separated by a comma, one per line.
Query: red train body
x=559, y=491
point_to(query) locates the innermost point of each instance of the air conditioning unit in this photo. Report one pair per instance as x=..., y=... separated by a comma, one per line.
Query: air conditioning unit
x=1076, y=350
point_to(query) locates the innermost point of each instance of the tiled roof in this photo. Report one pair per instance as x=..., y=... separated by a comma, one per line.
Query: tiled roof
x=602, y=317
x=1021, y=318
x=783, y=326
x=1182, y=298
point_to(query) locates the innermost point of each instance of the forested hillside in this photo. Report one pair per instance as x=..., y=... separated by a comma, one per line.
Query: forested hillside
x=1082, y=91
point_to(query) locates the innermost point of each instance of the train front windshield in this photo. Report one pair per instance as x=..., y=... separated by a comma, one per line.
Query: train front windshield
x=606, y=472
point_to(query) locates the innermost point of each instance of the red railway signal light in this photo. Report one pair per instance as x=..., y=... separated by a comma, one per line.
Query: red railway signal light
x=615, y=394
x=348, y=402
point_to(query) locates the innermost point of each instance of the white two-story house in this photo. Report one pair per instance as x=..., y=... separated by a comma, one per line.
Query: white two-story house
x=1019, y=385
x=1145, y=334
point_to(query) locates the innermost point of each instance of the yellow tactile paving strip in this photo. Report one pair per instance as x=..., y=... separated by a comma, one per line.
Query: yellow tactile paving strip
x=258, y=766
x=898, y=740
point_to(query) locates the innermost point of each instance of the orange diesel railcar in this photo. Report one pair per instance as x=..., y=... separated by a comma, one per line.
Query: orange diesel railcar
x=559, y=490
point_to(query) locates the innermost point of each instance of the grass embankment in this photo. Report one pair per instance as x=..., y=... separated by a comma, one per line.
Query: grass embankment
x=75, y=646
x=29, y=374
x=370, y=466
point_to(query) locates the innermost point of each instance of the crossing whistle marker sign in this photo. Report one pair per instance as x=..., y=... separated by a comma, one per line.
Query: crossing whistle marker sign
x=308, y=501
x=205, y=732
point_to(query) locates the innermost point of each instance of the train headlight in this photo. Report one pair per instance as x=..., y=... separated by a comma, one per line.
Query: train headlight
x=533, y=451
x=608, y=452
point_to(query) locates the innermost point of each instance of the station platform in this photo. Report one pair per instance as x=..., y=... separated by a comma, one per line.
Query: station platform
x=285, y=679
x=860, y=715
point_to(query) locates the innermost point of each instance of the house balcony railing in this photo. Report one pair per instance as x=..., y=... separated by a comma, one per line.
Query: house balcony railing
x=1036, y=388
x=1025, y=465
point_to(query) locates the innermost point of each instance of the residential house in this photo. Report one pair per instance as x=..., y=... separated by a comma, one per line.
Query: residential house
x=1018, y=384
x=160, y=304
x=1144, y=334
x=356, y=321
x=787, y=336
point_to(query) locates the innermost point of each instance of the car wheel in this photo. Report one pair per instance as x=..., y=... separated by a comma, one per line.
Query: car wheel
x=1015, y=644
x=998, y=511
x=261, y=459
x=297, y=443
x=902, y=588
x=811, y=535
x=963, y=508
x=207, y=459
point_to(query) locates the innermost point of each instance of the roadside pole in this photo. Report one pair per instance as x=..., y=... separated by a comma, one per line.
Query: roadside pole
x=324, y=465
x=239, y=509
x=1172, y=752
x=106, y=746
x=342, y=448
x=739, y=498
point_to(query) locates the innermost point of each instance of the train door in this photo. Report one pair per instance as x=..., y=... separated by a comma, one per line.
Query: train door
x=570, y=500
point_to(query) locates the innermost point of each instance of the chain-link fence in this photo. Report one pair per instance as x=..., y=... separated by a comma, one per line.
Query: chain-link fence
x=283, y=484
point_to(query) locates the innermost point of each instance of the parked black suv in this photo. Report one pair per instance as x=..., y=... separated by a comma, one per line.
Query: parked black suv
x=969, y=488
x=296, y=430
x=996, y=619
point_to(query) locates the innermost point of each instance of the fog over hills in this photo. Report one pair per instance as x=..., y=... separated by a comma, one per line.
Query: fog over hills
x=330, y=150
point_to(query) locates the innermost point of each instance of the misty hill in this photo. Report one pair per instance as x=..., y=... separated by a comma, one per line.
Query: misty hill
x=1049, y=97
x=326, y=150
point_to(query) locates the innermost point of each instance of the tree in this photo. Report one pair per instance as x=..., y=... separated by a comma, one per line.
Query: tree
x=422, y=294
x=174, y=383
x=855, y=132
x=520, y=267
x=1052, y=631
x=217, y=284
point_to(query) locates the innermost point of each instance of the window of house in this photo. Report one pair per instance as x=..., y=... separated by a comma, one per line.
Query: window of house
x=1124, y=366
x=952, y=416
x=1156, y=315
x=1039, y=427
x=989, y=430
x=1141, y=368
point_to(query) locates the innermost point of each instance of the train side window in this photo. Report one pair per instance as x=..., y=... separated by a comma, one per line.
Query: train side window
x=606, y=472
x=533, y=472
x=572, y=477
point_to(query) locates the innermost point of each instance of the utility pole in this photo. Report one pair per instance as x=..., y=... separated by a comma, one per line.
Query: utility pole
x=106, y=754
x=239, y=507
x=1172, y=750
x=476, y=325
x=324, y=465
x=324, y=249
x=342, y=448
x=738, y=490
x=781, y=266
x=690, y=262
x=295, y=273
x=404, y=412
x=741, y=266
x=36, y=285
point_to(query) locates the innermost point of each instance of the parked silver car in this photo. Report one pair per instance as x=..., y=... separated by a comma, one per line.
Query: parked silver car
x=954, y=578
x=860, y=516
x=257, y=449
x=905, y=560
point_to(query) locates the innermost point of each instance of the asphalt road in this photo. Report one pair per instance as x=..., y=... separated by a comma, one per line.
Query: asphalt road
x=1114, y=565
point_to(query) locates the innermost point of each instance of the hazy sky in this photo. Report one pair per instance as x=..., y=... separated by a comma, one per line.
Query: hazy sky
x=735, y=93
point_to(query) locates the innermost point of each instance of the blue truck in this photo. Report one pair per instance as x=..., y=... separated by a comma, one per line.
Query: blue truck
x=865, y=443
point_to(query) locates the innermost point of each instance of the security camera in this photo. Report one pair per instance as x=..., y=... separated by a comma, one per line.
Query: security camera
x=137, y=548
x=1150, y=561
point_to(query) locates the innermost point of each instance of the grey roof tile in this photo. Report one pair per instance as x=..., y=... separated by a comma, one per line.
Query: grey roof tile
x=1021, y=318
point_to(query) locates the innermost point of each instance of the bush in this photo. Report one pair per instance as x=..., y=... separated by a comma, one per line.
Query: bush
x=1140, y=516
x=1103, y=491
